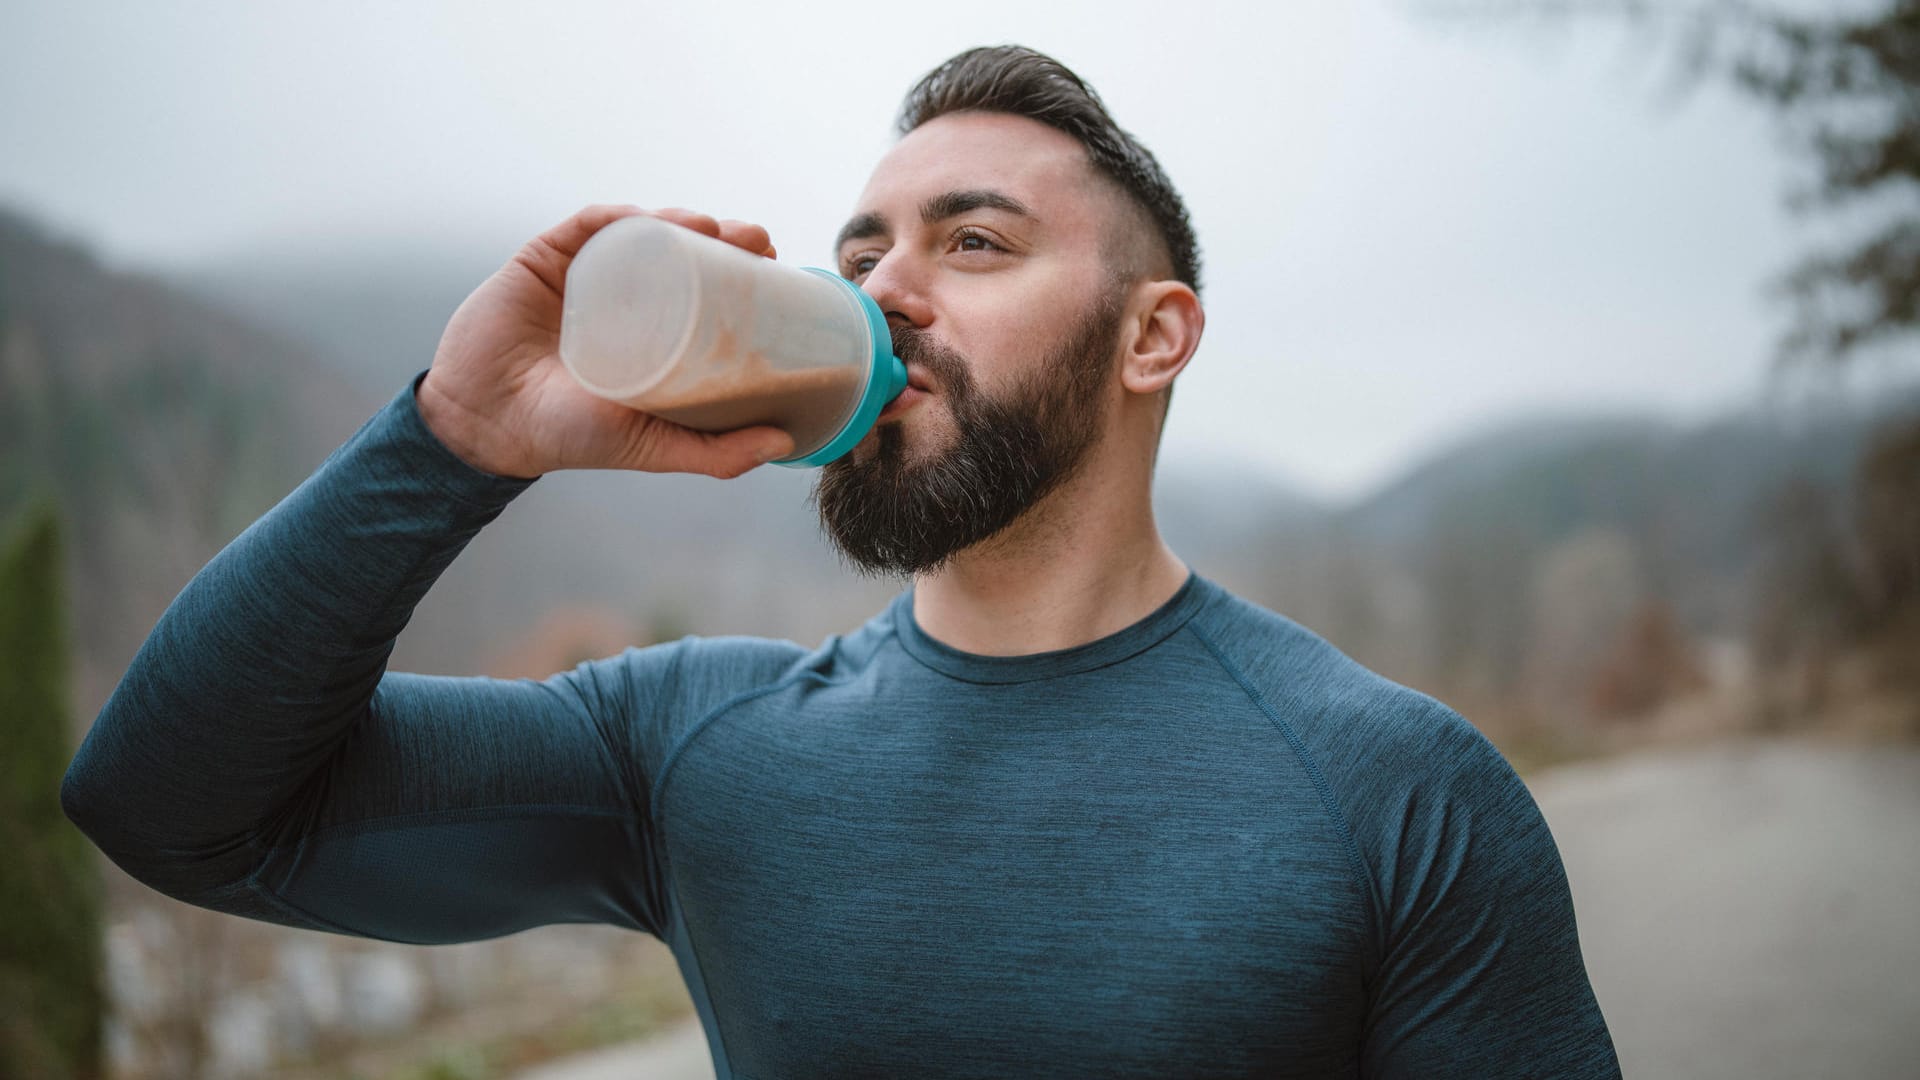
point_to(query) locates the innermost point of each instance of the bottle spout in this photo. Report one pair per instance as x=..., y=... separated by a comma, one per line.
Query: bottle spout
x=896, y=378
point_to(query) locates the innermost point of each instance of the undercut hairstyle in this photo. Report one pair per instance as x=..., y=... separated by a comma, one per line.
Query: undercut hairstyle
x=1017, y=80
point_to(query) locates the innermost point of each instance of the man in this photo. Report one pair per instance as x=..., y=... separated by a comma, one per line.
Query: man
x=1062, y=809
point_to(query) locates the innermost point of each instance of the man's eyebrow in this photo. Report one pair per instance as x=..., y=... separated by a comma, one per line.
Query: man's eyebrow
x=861, y=227
x=955, y=203
x=936, y=209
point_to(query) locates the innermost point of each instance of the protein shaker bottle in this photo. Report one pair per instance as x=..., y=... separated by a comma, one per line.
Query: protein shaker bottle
x=675, y=323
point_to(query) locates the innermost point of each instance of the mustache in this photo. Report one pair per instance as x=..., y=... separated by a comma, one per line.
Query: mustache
x=950, y=371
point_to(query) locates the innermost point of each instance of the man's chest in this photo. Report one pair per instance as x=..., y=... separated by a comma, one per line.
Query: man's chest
x=966, y=903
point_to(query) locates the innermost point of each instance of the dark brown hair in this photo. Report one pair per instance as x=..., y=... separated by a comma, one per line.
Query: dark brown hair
x=1018, y=80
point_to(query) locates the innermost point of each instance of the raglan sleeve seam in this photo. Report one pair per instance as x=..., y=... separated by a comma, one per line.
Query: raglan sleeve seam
x=1362, y=871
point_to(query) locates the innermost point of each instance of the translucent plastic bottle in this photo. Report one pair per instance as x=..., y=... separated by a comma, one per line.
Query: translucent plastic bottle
x=671, y=322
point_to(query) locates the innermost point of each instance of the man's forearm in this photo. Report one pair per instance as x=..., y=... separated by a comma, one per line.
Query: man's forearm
x=269, y=656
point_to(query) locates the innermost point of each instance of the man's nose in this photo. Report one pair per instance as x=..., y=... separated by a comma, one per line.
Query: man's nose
x=901, y=290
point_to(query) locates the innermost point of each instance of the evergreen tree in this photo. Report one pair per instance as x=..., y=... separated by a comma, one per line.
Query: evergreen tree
x=52, y=1002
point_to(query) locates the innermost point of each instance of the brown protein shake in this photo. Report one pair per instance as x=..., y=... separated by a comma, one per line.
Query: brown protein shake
x=671, y=322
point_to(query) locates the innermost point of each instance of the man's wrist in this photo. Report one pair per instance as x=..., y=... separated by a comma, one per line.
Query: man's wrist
x=453, y=427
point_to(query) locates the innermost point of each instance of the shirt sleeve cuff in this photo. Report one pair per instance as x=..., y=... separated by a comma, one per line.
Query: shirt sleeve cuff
x=434, y=465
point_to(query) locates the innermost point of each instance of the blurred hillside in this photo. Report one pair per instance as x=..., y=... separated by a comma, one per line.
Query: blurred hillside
x=1543, y=576
x=161, y=425
x=1515, y=569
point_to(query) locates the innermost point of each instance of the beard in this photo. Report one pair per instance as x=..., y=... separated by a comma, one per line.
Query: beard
x=890, y=516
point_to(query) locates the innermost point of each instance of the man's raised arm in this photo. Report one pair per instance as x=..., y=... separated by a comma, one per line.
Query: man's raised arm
x=257, y=759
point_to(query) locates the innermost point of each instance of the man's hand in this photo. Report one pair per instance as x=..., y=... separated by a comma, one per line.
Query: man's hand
x=499, y=397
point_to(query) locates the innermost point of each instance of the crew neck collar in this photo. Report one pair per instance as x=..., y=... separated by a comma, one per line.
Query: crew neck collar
x=1149, y=631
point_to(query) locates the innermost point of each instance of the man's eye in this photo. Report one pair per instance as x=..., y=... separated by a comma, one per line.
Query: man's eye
x=973, y=241
x=861, y=264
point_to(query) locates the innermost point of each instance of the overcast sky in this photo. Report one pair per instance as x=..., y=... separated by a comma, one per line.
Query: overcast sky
x=1409, y=228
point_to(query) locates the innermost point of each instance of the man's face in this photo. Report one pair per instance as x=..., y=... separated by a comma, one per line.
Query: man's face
x=980, y=235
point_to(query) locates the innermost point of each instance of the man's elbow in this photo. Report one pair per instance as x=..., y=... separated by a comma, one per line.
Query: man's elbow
x=88, y=800
x=130, y=839
x=108, y=805
x=77, y=799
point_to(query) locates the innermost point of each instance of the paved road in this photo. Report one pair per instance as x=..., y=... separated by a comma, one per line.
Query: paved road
x=1749, y=910
x=681, y=1054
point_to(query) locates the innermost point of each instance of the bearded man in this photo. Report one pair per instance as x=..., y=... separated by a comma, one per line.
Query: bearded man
x=1063, y=809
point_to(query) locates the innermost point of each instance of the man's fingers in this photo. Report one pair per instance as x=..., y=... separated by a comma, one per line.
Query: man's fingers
x=692, y=219
x=566, y=238
x=548, y=255
x=742, y=234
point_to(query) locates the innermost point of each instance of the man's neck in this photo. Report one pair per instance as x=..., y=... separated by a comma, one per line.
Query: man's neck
x=1085, y=562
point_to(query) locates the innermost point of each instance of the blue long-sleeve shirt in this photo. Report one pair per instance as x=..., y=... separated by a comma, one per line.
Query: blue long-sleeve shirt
x=1208, y=845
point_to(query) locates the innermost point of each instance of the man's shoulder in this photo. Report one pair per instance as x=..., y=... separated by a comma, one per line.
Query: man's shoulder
x=671, y=689
x=1342, y=712
x=1291, y=667
x=710, y=669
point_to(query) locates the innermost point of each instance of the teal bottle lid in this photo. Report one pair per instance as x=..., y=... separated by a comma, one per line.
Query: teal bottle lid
x=886, y=378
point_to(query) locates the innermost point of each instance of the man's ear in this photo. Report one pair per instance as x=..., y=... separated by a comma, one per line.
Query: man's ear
x=1163, y=325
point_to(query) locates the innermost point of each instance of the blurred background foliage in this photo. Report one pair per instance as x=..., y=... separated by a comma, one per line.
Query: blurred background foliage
x=52, y=1002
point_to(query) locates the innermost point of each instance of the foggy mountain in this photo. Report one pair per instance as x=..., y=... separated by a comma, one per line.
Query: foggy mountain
x=167, y=414
x=159, y=424
x=374, y=315
x=1693, y=498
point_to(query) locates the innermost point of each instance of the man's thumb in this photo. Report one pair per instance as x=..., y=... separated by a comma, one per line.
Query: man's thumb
x=669, y=447
x=739, y=451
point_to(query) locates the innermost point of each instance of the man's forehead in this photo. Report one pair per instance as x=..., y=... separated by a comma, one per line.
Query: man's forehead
x=1036, y=165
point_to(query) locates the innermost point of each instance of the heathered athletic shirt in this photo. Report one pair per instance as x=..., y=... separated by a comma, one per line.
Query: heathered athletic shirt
x=1208, y=845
